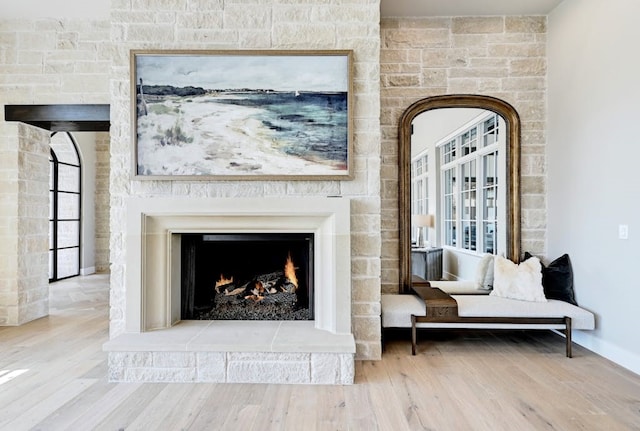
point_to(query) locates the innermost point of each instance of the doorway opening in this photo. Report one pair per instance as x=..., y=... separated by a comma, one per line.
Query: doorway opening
x=65, y=193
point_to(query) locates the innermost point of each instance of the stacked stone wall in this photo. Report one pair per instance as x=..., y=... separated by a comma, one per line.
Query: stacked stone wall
x=259, y=24
x=24, y=227
x=397, y=63
x=42, y=61
x=503, y=57
x=8, y=224
x=49, y=61
x=102, y=202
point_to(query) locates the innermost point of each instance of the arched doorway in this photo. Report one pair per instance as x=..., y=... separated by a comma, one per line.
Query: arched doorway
x=65, y=194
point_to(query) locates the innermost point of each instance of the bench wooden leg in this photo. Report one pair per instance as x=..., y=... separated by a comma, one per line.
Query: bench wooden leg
x=567, y=333
x=413, y=335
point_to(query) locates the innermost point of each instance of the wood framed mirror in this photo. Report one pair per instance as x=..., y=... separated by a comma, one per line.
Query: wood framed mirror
x=510, y=184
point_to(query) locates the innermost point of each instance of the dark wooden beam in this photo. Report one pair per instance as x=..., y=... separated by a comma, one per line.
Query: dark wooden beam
x=62, y=118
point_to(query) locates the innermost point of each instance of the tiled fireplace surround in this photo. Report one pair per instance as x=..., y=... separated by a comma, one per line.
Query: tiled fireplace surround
x=157, y=346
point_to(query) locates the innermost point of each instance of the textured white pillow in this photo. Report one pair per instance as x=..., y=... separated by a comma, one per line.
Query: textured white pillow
x=523, y=282
x=484, y=272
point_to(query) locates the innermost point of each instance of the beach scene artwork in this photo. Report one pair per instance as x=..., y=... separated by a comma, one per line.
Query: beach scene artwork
x=242, y=115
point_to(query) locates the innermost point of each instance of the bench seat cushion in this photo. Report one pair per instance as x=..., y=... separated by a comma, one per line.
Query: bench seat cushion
x=492, y=306
x=397, y=311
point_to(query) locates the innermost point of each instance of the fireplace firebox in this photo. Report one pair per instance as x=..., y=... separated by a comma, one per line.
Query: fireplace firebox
x=247, y=276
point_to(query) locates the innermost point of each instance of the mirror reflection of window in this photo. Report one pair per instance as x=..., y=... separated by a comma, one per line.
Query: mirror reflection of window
x=450, y=214
x=490, y=202
x=463, y=190
x=420, y=194
x=468, y=197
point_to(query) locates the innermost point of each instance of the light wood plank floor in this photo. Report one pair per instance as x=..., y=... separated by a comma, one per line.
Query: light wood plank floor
x=52, y=377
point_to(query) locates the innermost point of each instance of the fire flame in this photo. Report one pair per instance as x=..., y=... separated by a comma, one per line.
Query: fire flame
x=223, y=281
x=290, y=271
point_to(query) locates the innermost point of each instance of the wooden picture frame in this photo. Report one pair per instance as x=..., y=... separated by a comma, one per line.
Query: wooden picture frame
x=242, y=115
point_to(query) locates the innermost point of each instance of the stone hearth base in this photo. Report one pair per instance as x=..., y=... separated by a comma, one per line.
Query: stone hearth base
x=233, y=352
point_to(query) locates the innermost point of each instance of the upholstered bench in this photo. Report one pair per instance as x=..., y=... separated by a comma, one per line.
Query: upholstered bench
x=486, y=312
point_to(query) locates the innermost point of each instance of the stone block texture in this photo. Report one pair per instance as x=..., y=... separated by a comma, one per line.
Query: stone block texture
x=232, y=367
x=24, y=227
x=397, y=61
x=498, y=56
x=102, y=202
x=46, y=61
x=85, y=61
x=256, y=24
x=43, y=61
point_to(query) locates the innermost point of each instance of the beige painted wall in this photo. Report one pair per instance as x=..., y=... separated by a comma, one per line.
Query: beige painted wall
x=593, y=153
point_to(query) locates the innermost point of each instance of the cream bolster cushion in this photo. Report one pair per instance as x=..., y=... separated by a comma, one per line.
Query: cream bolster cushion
x=397, y=310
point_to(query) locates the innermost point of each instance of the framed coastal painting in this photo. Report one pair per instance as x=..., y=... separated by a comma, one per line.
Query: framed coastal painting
x=242, y=114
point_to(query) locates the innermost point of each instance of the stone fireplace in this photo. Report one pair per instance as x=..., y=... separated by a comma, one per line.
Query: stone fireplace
x=159, y=345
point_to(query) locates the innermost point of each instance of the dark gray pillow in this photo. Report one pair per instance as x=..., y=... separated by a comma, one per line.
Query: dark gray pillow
x=557, y=279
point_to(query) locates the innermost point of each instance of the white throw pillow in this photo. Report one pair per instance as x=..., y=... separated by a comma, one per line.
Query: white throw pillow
x=523, y=281
x=484, y=272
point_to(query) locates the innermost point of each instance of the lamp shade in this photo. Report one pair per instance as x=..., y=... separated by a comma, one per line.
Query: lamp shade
x=422, y=220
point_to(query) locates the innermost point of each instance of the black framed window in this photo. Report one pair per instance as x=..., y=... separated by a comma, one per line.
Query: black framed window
x=65, y=192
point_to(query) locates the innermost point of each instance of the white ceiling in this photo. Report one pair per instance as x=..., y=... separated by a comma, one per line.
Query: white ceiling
x=417, y=8
x=389, y=8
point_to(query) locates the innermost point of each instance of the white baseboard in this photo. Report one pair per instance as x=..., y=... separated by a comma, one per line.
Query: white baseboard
x=88, y=271
x=622, y=357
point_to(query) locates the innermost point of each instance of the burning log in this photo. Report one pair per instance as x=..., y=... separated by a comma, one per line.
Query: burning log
x=259, y=288
x=263, y=296
x=223, y=283
x=262, y=286
x=270, y=278
x=233, y=292
x=288, y=287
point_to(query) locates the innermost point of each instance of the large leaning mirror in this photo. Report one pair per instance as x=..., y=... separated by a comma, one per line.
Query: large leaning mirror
x=459, y=167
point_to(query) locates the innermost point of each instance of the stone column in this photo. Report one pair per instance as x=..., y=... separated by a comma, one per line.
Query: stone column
x=102, y=202
x=24, y=229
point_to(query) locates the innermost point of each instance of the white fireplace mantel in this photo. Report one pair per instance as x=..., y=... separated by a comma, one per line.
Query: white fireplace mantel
x=157, y=346
x=153, y=286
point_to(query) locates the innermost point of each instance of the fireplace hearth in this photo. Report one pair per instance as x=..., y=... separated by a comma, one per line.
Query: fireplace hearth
x=247, y=276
